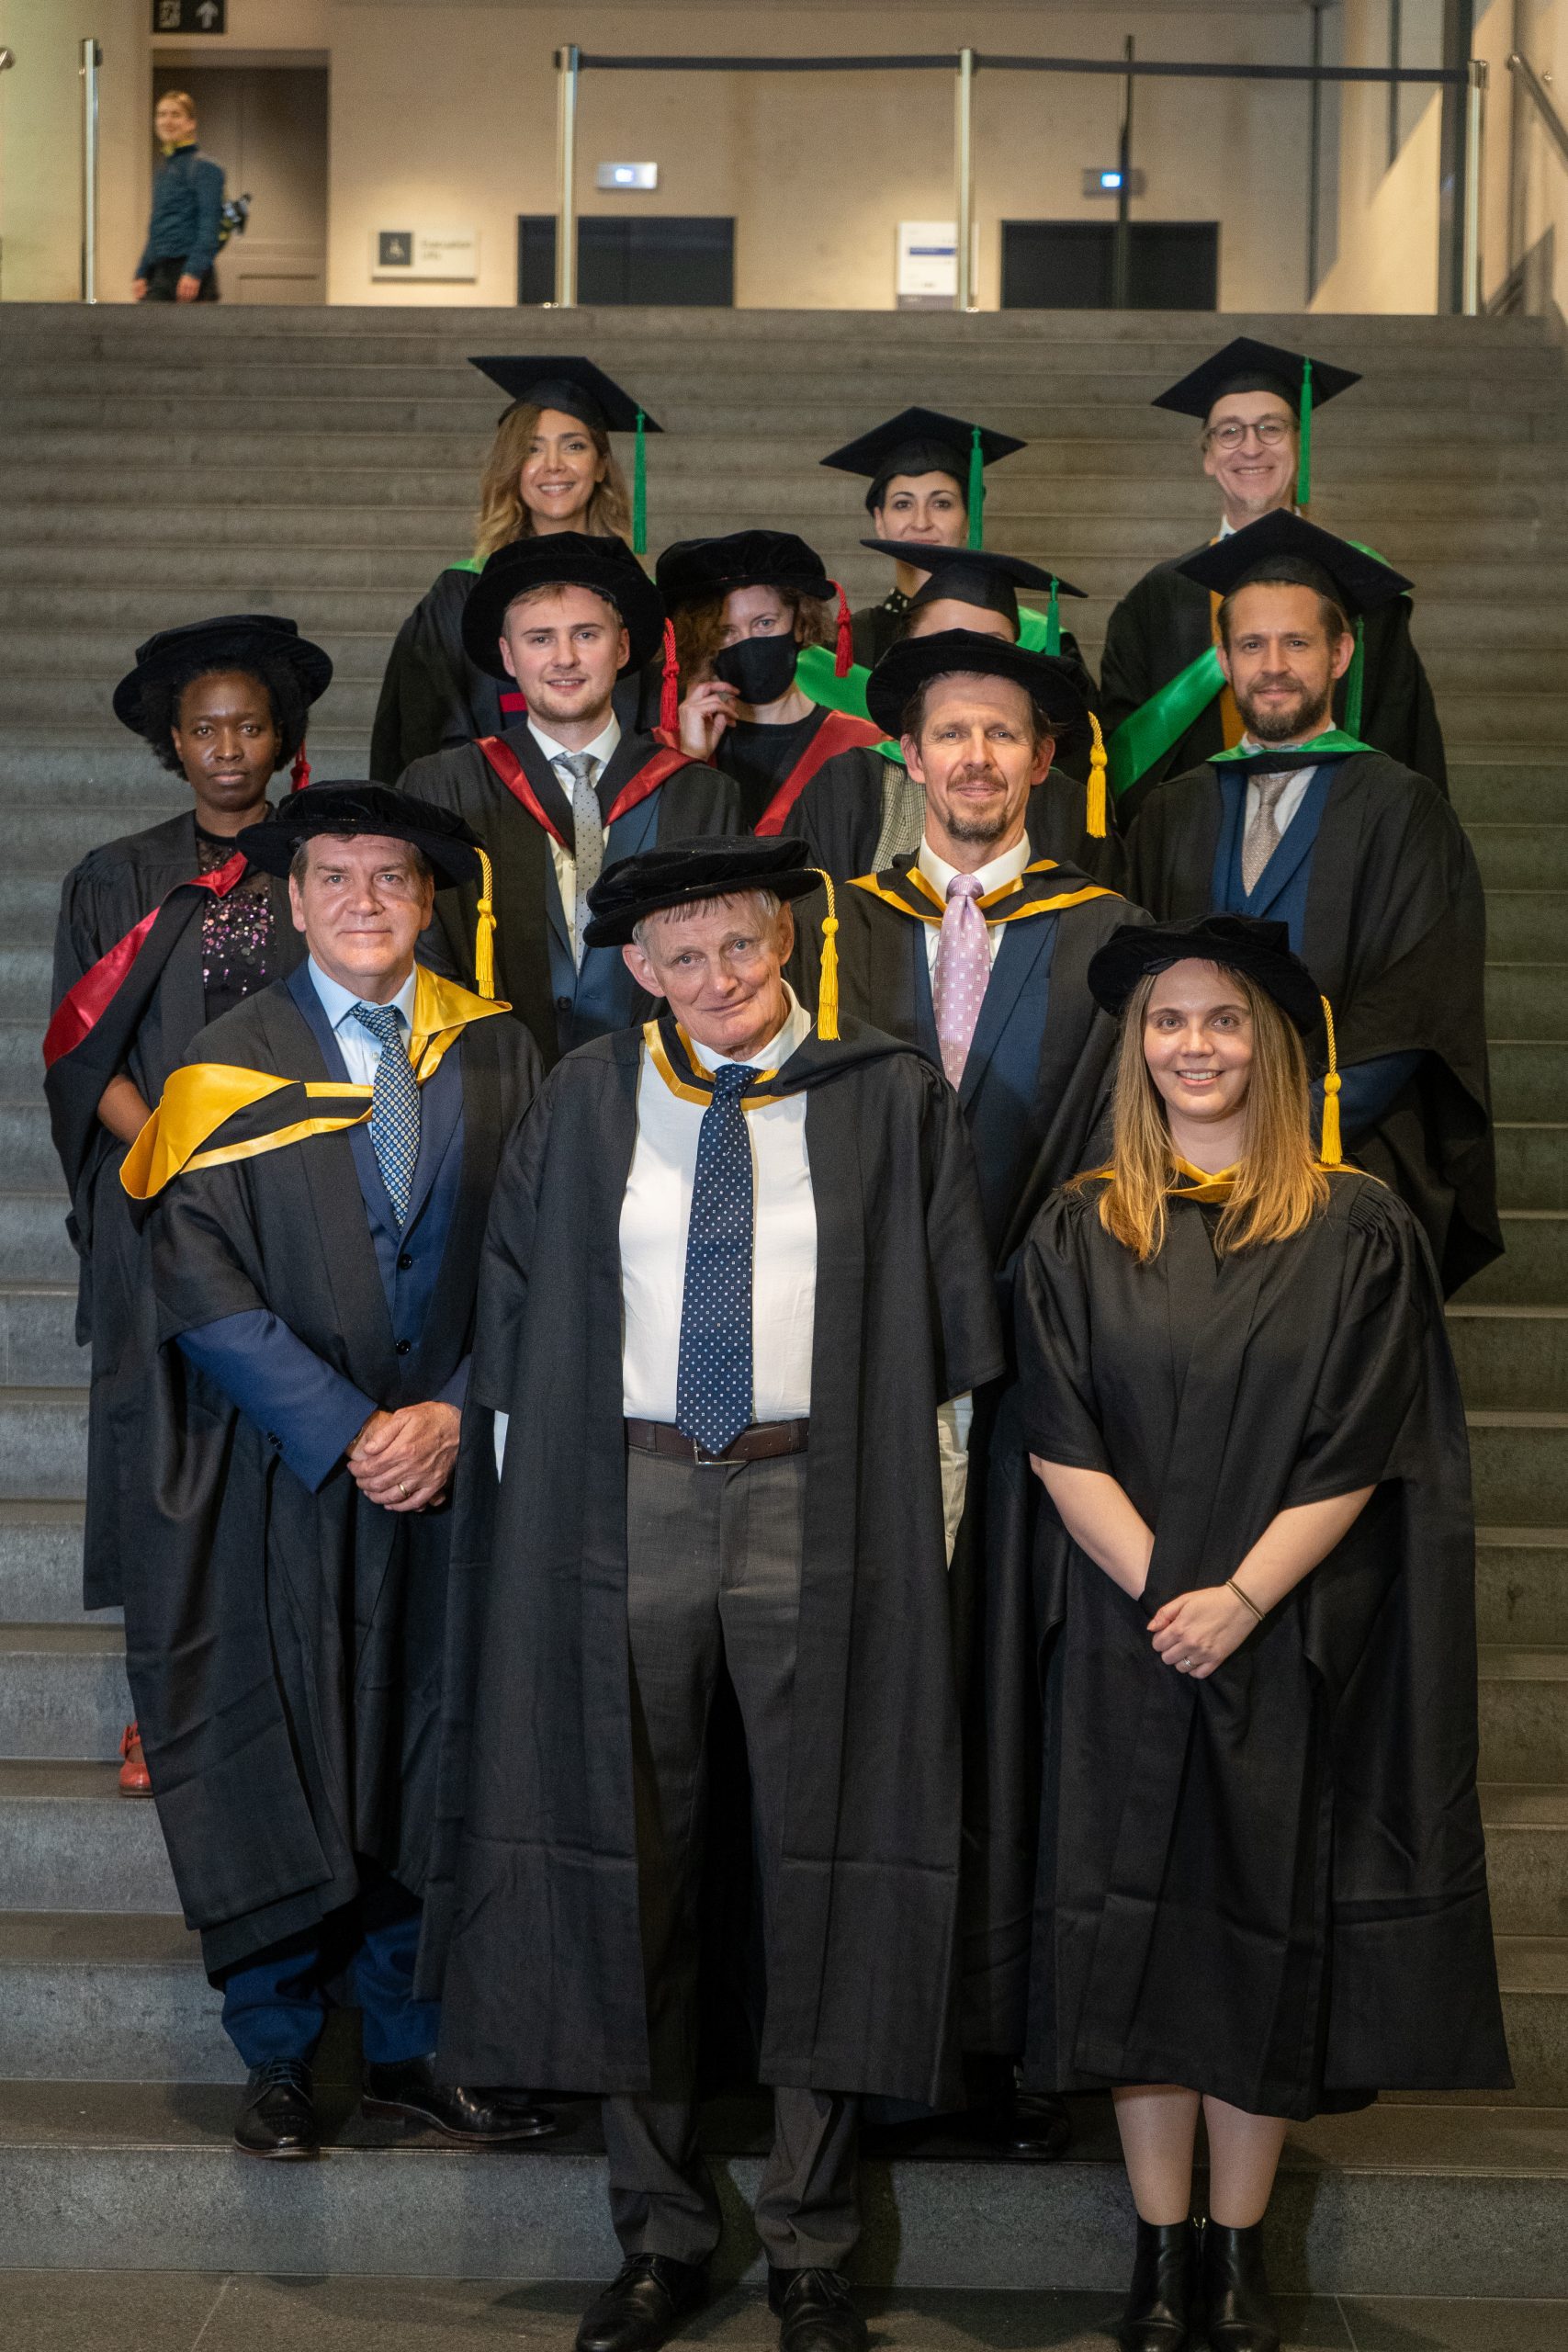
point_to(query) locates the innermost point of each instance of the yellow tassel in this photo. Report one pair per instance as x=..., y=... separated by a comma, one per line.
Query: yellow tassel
x=827, y=990
x=1097, y=765
x=1329, y=1150
x=484, y=932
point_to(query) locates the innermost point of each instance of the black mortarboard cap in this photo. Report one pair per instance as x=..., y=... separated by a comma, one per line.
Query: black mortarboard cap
x=974, y=576
x=711, y=866
x=691, y=571
x=1238, y=943
x=925, y=441
x=576, y=386
x=561, y=560
x=1280, y=543
x=451, y=845
x=234, y=641
x=907, y=666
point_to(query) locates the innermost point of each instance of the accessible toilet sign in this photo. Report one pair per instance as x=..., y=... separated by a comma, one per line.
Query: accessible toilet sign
x=425, y=253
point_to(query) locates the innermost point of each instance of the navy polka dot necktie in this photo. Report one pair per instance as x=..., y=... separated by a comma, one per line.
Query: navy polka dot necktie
x=394, y=1105
x=713, y=1382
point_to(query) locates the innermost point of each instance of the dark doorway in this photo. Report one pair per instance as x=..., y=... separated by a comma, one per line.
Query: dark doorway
x=664, y=259
x=1070, y=265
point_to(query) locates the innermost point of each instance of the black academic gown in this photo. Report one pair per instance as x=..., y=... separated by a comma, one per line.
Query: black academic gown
x=1270, y=1885
x=1035, y=1091
x=1165, y=622
x=1394, y=934
x=876, y=627
x=844, y=811
x=763, y=760
x=284, y=1646
x=538, y=1896
x=142, y=1032
x=433, y=695
x=561, y=1006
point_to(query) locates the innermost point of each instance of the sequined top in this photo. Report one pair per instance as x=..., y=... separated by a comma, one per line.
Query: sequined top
x=238, y=949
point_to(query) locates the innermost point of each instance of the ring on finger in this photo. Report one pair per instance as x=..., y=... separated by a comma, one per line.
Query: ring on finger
x=402, y=1490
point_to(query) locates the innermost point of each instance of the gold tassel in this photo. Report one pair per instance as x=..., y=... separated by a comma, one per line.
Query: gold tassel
x=827, y=990
x=1097, y=765
x=1329, y=1151
x=484, y=932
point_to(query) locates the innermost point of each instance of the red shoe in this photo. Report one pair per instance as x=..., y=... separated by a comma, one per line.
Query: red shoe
x=134, y=1778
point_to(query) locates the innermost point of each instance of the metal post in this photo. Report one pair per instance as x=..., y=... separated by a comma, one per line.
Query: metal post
x=1474, y=135
x=1121, y=254
x=1315, y=154
x=1396, y=44
x=92, y=58
x=1453, y=189
x=567, y=65
x=964, y=167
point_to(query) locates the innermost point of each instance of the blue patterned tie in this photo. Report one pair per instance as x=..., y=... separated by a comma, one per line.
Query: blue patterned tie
x=394, y=1105
x=713, y=1381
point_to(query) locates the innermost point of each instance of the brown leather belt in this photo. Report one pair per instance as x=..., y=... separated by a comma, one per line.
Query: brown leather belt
x=763, y=1442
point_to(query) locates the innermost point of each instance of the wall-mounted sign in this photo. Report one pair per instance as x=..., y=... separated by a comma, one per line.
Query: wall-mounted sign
x=626, y=175
x=928, y=264
x=1106, y=180
x=190, y=16
x=425, y=253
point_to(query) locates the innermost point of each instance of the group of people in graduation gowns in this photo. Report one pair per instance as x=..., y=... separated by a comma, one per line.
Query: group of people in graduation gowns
x=767, y=1347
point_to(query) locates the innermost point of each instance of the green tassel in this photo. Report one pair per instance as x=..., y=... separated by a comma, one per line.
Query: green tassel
x=977, y=491
x=639, y=492
x=1353, y=680
x=1054, y=619
x=1304, y=469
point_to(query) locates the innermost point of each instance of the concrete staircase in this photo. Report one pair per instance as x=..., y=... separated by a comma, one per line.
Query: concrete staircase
x=322, y=464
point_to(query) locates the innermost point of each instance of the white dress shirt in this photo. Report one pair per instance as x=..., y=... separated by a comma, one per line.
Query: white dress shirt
x=939, y=874
x=602, y=749
x=657, y=1211
x=360, y=1049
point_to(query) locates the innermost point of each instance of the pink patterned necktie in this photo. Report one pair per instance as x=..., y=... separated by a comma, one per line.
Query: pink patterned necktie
x=962, y=971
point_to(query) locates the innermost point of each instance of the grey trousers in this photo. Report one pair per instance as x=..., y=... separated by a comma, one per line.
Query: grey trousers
x=713, y=1585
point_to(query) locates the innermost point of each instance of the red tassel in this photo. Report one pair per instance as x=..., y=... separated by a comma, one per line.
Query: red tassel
x=669, y=687
x=844, y=652
x=300, y=774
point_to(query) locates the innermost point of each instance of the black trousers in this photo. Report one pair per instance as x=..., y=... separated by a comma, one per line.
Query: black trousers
x=165, y=276
x=713, y=1585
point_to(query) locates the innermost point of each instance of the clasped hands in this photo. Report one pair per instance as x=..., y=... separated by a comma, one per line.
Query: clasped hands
x=1198, y=1631
x=403, y=1460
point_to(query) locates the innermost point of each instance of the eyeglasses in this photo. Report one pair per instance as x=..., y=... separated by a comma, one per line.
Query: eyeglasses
x=1270, y=432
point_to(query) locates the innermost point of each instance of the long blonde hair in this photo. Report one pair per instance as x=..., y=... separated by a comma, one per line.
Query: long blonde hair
x=1279, y=1186
x=503, y=515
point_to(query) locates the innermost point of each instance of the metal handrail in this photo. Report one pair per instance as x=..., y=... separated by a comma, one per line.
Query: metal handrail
x=1530, y=82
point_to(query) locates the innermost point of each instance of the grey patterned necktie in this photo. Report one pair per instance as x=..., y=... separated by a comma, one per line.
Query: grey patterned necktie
x=394, y=1105
x=578, y=771
x=1262, y=836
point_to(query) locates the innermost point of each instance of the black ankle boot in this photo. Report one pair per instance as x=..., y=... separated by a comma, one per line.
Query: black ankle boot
x=1237, y=2309
x=1160, y=2311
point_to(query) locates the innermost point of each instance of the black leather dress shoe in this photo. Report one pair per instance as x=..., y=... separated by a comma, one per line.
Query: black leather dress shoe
x=1031, y=2127
x=643, y=2305
x=477, y=2119
x=1237, y=2309
x=1161, y=2303
x=277, y=2115
x=815, y=2311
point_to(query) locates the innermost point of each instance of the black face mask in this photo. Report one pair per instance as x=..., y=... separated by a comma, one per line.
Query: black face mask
x=761, y=669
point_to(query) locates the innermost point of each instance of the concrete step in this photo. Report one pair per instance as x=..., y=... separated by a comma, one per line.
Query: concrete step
x=1511, y=1356
x=1533, y=1973
x=1529, y=1081
x=1521, y=857
x=1524, y=1715
x=1532, y=1163
x=1521, y=1585
x=43, y=1444
x=34, y=1245
x=1520, y=1463
x=1485, y=790
x=69, y=1841
x=38, y=1336
x=41, y=1566
x=1533, y=1269
x=30, y=1160
x=1527, y=926
x=100, y=1997
x=1431, y=2201
x=1527, y=998
x=1527, y=1857
x=62, y=1693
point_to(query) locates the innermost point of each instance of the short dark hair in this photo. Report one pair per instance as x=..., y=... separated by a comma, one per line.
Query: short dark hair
x=914, y=714
x=160, y=708
x=299, y=863
x=1290, y=572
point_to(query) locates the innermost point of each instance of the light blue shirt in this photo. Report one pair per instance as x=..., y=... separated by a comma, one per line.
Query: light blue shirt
x=360, y=1049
